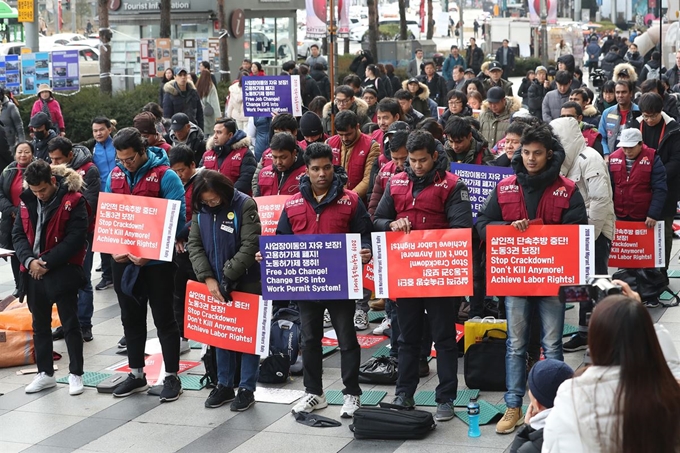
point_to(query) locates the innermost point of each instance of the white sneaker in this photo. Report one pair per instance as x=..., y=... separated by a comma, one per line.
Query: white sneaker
x=310, y=402
x=327, y=319
x=41, y=382
x=351, y=404
x=384, y=325
x=75, y=384
x=360, y=320
x=184, y=346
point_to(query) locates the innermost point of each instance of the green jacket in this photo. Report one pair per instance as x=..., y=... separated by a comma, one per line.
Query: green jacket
x=235, y=267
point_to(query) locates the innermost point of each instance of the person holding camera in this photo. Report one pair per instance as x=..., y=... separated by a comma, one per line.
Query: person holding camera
x=536, y=194
x=223, y=241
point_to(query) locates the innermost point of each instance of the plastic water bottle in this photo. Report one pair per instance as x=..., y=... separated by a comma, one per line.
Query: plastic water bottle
x=473, y=417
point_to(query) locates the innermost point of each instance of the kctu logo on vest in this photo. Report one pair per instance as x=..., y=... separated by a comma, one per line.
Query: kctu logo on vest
x=645, y=161
x=153, y=177
x=399, y=182
x=67, y=205
x=209, y=158
x=295, y=202
x=236, y=157
x=509, y=189
x=345, y=200
x=615, y=161
x=561, y=192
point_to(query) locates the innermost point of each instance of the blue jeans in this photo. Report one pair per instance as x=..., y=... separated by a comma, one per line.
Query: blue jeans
x=226, y=368
x=85, y=296
x=518, y=312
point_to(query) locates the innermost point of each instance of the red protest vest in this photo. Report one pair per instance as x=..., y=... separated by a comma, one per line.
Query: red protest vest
x=267, y=158
x=632, y=193
x=188, y=192
x=268, y=181
x=56, y=227
x=378, y=136
x=590, y=135
x=148, y=185
x=553, y=203
x=231, y=165
x=385, y=173
x=335, y=218
x=426, y=210
x=357, y=160
x=84, y=169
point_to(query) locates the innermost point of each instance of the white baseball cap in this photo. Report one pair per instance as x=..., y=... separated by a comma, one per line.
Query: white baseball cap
x=630, y=137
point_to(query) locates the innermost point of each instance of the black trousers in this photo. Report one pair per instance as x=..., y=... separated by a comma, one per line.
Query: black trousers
x=442, y=316
x=153, y=283
x=183, y=273
x=342, y=317
x=40, y=305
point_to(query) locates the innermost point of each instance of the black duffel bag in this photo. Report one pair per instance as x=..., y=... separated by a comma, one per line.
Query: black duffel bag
x=378, y=370
x=485, y=363
x=650, y=283
x=391, y=424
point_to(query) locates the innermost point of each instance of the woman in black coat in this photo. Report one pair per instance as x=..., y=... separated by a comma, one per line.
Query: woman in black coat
x=168, y=75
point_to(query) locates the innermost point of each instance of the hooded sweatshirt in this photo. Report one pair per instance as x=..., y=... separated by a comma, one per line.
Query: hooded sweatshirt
x=588, y=170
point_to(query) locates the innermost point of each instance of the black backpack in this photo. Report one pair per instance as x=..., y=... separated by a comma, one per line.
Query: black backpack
x=284, y=346
x=387, y=424
x=210, y=364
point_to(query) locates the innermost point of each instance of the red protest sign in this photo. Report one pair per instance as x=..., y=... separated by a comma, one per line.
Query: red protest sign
x=365, y=341
x=270, y=209
x=369, y=282
x=636, y=247
x=152, y=366
x=142, y=226
x=241, y=324
x=537, y=261
x=423, y=263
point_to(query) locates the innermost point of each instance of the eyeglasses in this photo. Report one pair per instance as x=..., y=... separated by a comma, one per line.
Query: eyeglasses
x=650, y=116
x=129, y=160
x=342, y=101
x=212, y=202
x=455, y=102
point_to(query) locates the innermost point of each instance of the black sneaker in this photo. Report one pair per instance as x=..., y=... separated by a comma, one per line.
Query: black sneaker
x=87, y=334
x=243, y=401
x=423, y=367
x=122, y=344
x=402, y=402
x=219, y=396
x=58, y=334
x=577, y=342
x=172, y=388
x=103, y=284
x=130, y=385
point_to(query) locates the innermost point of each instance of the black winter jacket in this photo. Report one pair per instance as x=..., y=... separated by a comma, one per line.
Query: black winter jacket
x=360, y=223
x=457, y=207
x=668, y=151
x=61, y=276
x=91, y=180
x=437, y=87
x=323, y=82
x=178, y=101
x=535, y=95
x=533, y=188
x=528, y=440
x=609, y=62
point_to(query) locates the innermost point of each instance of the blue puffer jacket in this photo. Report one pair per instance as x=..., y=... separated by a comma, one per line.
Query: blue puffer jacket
x=262, y=124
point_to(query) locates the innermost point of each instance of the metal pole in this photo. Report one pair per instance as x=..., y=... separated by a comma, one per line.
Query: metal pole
x=460, y=20
x=73, y=15
x=331, y=60
x=31, y=30
x=660, y=33
x=544, y=33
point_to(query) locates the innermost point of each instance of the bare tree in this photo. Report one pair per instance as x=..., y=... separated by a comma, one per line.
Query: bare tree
x=224, y=46
x=430, y=20
x=165, y=18
x=402, y=21
x=373, y=27
x=105, y=35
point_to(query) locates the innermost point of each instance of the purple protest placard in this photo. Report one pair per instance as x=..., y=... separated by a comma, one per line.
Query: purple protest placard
x=264, y=95
x=480, y=181
x=311, y=266
x=65, y=73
